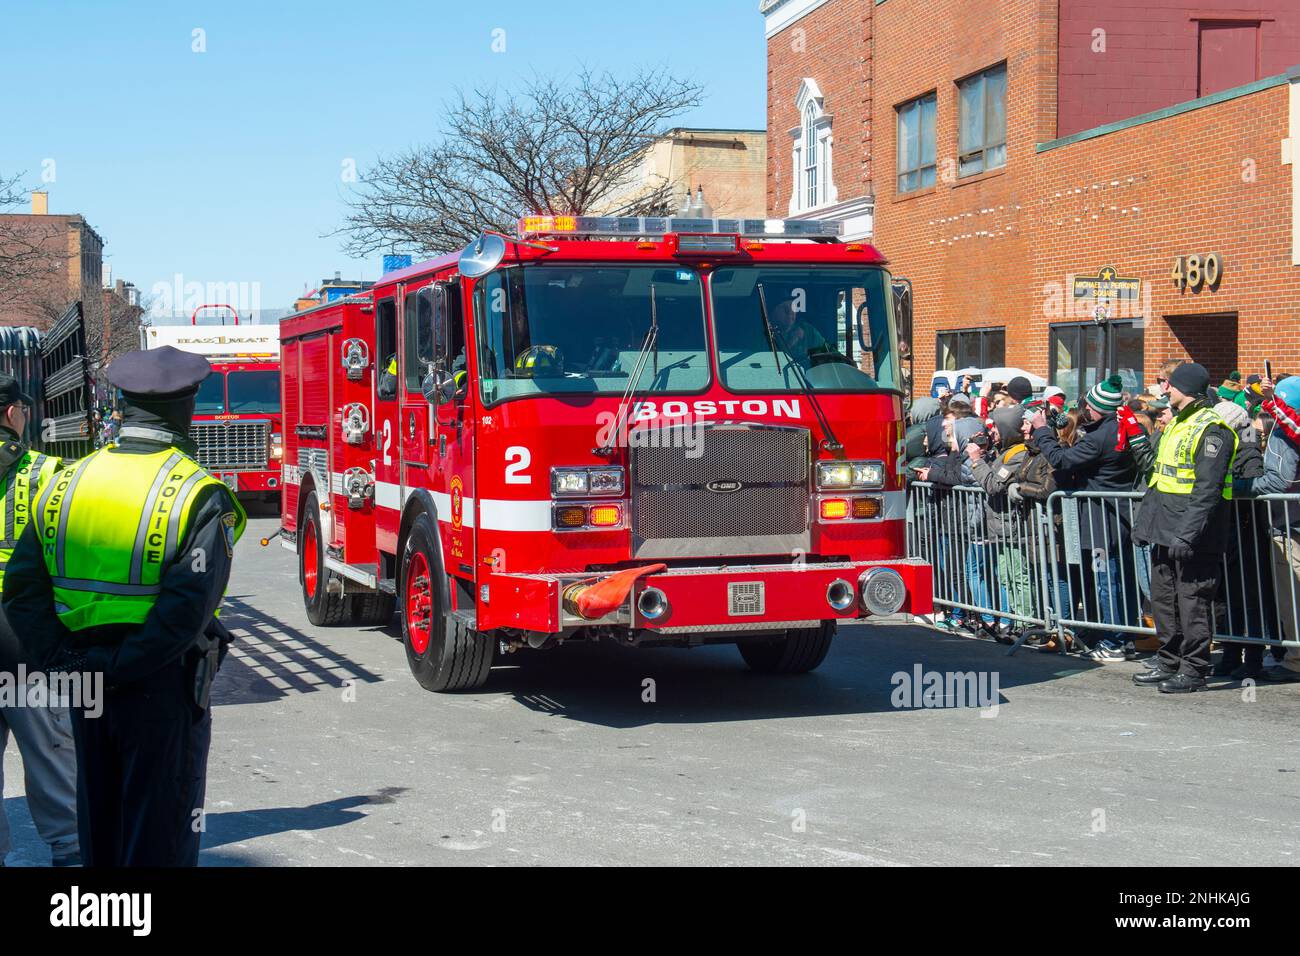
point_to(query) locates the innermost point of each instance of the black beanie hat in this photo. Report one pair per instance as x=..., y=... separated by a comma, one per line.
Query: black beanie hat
x=1019, y=388
x=1190, y=379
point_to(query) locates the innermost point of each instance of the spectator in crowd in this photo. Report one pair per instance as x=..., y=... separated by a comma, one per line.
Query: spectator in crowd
x=1184, y=517
x=923, y=410
x=1282, y=477
x=1161, y=414
x=995, y=471
x=1231, y=390
x=963, y=547
x=1246, y=558
x=1097, y=461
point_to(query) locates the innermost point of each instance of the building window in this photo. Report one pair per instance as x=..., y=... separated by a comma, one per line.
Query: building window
x=1084, y=354
x=811, y=144
x=811, y=155
x=982, y=141
x=916, y=144
x=971, y=348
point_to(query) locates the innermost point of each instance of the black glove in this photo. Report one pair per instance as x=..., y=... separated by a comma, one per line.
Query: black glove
x=1181, y=552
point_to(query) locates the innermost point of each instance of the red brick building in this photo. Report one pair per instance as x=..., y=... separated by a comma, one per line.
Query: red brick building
x=1021, y=159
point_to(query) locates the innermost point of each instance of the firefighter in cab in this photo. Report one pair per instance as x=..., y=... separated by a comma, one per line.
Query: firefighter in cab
x=121, y=573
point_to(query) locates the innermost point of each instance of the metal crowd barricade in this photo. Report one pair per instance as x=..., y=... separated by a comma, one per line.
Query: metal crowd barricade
x=1071, y=563
x=986, y=570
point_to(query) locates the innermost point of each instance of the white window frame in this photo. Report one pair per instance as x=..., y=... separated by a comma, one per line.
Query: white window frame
x=814, y=128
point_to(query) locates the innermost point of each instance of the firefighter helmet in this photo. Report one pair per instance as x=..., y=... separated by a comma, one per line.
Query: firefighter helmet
x=539, y=360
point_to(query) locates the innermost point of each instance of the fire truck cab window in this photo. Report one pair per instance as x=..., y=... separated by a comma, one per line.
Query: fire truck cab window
x=836, y=324
x=419, y=315
x=579, y=329
x=211, y=399
x=386, y=340
x=254, y=393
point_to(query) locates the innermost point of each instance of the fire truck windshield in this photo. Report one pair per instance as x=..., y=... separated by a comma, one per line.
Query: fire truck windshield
x=835, y=323
x=561, y=329
x=253, y=393
x=211, y=399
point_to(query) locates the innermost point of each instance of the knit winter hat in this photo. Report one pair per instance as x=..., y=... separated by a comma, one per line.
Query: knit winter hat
x=1106, y=396
x=1190, y=379
x=1233, y=415
x=1019, y=388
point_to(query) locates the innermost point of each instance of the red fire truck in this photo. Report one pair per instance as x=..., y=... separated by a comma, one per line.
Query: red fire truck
x=651, y=431
x=237, y=421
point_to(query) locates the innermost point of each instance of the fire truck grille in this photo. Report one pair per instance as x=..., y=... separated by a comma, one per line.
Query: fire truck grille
x=739, y=490
x=231, y=445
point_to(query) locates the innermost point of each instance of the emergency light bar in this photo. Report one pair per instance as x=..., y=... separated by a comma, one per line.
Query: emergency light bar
x=636, y=226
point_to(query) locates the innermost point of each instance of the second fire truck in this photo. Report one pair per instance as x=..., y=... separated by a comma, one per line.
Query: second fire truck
x=647, y=431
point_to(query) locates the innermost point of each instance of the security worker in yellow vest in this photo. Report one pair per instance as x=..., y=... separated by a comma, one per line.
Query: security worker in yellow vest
x=44, y=732
x=1185, y=518
x=121, y=572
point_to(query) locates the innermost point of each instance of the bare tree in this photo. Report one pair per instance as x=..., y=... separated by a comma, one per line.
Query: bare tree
x=555, y=147
x=29, y=247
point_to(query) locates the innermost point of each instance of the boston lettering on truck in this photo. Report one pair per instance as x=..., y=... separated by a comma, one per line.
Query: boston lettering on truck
x=237, y=420
x=649, y=431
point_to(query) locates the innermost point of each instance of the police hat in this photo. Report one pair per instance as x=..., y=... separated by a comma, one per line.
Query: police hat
x=159, y=374
x=11, y=393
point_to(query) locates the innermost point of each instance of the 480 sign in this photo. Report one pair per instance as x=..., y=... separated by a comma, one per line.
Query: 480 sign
x=1195, y=272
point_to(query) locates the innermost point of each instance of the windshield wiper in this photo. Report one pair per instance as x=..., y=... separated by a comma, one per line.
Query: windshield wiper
x=625, y=404
x=829, y=441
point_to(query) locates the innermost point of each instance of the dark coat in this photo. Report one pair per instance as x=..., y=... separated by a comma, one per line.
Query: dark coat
x=1201, y=519
x=1093, y=464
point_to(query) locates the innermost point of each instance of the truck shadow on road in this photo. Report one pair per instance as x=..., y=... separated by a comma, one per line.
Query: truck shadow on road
x=868, y=670
x=270, y=660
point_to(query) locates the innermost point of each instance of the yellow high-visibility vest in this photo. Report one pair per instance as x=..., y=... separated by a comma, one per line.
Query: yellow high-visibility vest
x=20, y=489
x=1175, y=470
x=109, y=526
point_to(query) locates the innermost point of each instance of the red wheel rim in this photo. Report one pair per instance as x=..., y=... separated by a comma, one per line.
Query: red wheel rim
x=310, y=560
x=419, y=602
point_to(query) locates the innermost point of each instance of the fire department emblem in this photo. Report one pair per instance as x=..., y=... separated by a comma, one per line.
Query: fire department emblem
x=457, y=503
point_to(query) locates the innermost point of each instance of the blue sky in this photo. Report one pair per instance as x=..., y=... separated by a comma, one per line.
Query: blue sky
x=225, y=166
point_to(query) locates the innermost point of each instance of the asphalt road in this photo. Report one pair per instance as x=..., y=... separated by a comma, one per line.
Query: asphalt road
x=326, y=751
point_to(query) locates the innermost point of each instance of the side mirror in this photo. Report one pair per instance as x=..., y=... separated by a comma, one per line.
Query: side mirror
x=438, y=387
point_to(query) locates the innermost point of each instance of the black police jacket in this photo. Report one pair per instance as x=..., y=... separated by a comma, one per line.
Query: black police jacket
x=183, y=614
x=1200, y=520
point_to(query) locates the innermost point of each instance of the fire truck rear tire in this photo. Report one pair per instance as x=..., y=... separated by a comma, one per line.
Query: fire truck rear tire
x=324, y=608
x=800, y=650
x=443, y=653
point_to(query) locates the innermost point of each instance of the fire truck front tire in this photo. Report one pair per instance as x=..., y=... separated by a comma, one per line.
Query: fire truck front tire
x=443, y=653
x=797, y=651
x=324, y=608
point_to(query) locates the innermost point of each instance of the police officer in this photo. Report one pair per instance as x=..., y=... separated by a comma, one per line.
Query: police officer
x=121, y=572
x=1185, y=519
x=43, y=733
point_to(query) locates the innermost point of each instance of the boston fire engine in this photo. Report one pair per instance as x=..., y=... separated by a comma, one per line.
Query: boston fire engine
x=649, y=431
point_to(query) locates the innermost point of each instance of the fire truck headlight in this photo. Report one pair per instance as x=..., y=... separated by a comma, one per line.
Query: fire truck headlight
x=569, y=481
x=605, y=481
x=277, y=445
x=868, y=474
x=834, y=474
x=850, y=474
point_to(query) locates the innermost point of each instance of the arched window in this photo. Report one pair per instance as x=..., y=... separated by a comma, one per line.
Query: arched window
x=811, y=143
